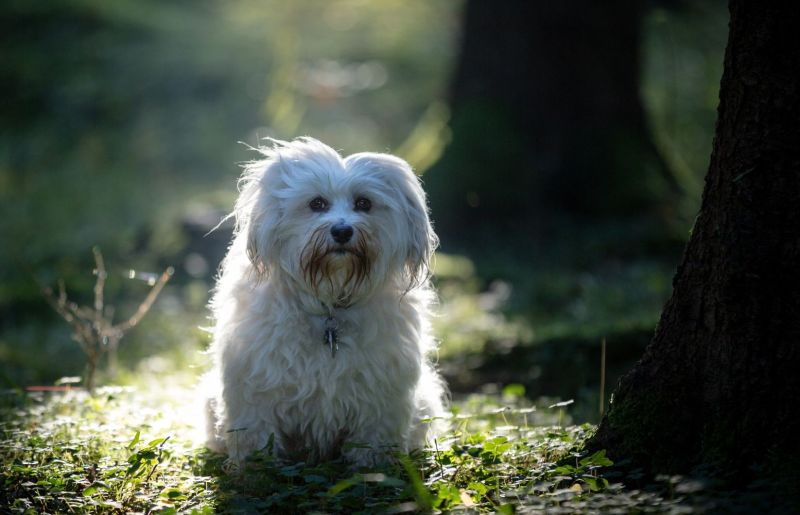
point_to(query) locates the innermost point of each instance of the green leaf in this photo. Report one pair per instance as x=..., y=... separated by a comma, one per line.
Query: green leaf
x=596, y=484
x=447, y=495
x=147, y=454
x=134, y=469
x=344, y=484
x=134, y=441
x=476, y=438
x=565, y=470
x=421, y=492
x=172, y=493
x=497, y=445
x=514, y=390
x=598, y=459
x=478, y=488
x=592, y=482
x=156, y=442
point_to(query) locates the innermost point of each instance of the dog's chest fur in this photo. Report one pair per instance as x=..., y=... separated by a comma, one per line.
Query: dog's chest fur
x=319, y=400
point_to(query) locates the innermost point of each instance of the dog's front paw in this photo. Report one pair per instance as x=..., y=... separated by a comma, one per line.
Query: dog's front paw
x=241, y=443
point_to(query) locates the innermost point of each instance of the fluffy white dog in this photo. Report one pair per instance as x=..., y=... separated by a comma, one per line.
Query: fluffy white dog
x=321, y=310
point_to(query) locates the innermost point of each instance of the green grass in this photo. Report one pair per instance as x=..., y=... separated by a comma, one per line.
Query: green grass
x=135, y=449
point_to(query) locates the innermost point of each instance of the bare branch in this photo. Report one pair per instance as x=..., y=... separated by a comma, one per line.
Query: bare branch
x=62, y=293
x=59, y=304
x=92, y=325
x=144, y=307
x=100, y=271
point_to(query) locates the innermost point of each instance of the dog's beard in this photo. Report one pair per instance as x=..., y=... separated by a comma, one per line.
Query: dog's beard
x=336, y=272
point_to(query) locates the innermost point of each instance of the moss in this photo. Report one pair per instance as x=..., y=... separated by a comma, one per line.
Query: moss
x=641, y=426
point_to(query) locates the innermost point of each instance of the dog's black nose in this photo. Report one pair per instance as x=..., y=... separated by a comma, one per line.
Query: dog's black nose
x=342, y=233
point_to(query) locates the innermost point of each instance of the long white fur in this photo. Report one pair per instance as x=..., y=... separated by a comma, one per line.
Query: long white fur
x=273, y=374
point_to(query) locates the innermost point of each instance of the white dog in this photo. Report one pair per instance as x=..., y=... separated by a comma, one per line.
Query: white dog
x=322, y=335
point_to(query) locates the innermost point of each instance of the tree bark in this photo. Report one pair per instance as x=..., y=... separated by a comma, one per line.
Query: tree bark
x=546, y=116
x=719, y=385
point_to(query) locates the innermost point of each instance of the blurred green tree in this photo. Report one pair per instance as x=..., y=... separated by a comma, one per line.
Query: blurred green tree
x=547, y=119
x=101, y=133
x=718, y=385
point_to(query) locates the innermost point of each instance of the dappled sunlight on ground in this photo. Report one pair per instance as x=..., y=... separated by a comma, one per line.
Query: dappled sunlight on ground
x=138, y=448
x=125, y=446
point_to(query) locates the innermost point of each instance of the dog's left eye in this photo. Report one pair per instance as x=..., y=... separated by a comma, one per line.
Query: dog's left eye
x=363, y=204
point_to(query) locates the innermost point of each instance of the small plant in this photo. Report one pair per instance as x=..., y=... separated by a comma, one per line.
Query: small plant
x=93, y=326
x=145, y=461
x=584, y=472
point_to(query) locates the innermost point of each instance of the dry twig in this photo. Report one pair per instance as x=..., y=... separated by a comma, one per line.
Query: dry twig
x=93, y=328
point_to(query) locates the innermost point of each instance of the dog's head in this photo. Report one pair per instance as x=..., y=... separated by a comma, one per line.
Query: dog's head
x=340, y=228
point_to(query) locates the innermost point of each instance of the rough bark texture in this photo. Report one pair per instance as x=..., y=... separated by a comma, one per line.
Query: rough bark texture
x=719, y=385
x=546, y=115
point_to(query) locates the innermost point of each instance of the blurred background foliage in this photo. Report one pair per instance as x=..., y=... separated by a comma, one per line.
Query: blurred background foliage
x=122, y=123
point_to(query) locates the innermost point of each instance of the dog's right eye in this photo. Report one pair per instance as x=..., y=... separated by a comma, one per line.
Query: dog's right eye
x=318, y=205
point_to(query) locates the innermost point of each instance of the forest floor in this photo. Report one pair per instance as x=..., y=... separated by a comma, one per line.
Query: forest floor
x=139, y=449
x=517, y=424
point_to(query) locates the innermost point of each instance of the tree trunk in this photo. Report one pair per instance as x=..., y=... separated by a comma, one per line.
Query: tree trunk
x=546, y=116
x=719, y=385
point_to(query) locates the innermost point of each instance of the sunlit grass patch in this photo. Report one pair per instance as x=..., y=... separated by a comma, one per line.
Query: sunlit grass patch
x=137, y=449
x=120, y=450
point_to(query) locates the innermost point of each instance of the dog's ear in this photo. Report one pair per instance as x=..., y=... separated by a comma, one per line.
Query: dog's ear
x=420, y=237
x=258, y=214
x=260, y=209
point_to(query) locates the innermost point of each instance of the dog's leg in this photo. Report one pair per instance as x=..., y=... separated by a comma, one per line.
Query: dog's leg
x=244, y=441
x=213, y=439
x=378, y=434
x=242, y=426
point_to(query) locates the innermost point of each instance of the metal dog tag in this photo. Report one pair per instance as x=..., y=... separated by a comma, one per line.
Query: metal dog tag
x=331, y=335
